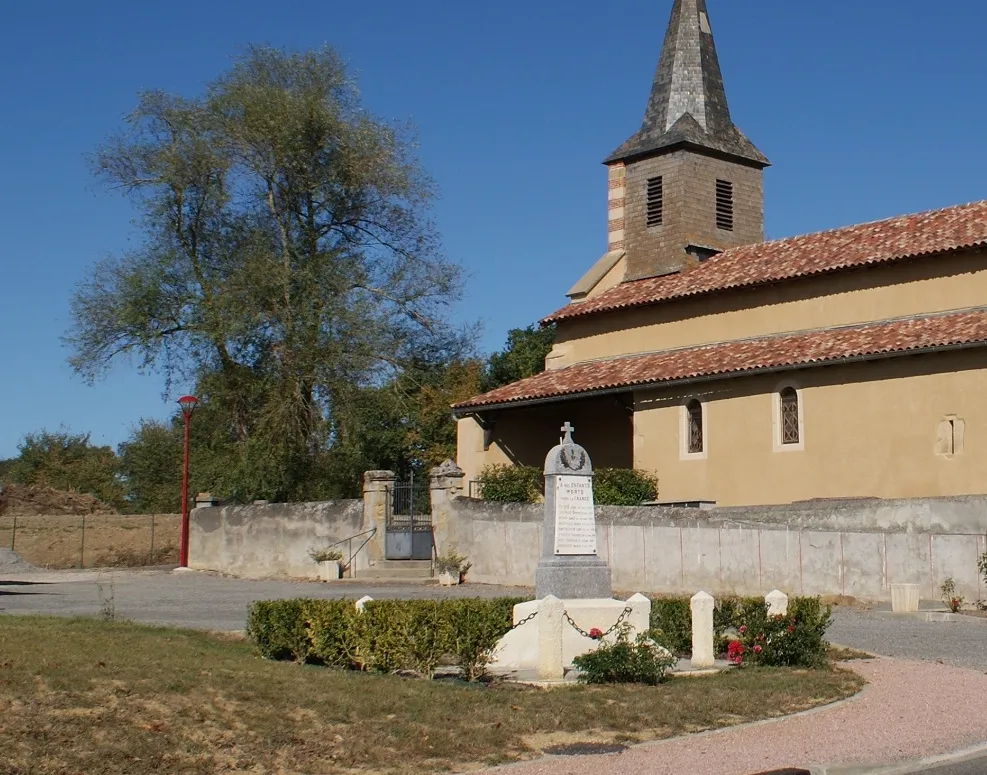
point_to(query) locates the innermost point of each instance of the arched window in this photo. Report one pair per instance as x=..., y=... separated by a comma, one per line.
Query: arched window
x=694, y=426
x=789, y=416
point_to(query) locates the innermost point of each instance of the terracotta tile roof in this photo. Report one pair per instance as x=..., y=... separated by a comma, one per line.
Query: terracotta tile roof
x=938, y=231
x=750, y=355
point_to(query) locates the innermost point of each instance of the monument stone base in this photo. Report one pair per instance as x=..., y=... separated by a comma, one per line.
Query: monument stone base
x=518, y=651
x=573, y=578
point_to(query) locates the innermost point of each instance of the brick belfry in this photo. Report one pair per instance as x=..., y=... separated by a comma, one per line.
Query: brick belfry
x=687, y=184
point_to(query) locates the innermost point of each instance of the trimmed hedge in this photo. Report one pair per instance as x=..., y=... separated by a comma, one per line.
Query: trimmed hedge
x=387, y=636
x=796, y=640
x=526, y=484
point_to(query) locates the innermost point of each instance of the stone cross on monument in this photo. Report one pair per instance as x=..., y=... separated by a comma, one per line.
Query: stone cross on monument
x=570, y=568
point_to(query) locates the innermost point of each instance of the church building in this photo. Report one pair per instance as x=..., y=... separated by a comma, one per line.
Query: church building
x=847, y=363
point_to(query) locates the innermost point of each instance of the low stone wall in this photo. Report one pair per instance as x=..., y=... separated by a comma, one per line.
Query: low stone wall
x=857, y=548
x=270, y=541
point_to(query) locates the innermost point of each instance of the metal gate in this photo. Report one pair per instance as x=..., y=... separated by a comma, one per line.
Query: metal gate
x=408, y=527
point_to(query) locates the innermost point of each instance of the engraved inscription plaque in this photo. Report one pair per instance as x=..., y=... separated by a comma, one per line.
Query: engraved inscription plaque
x=575, y=522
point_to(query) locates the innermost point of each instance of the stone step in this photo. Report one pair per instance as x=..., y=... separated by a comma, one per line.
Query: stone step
x=403, y=564
x=404, y=572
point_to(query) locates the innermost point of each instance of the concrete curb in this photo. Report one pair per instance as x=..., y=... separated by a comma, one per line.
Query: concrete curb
x=930, y=616
x=905, y=768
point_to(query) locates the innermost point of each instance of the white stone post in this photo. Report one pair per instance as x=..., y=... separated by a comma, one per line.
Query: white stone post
x=777, y=603
x=362, y=602
x=640, y=615
x=549, y=620
x=703, y=653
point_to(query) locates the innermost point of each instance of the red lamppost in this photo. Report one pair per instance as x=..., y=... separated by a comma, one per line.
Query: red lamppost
x=188, y=406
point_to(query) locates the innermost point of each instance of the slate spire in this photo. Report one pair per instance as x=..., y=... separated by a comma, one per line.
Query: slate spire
x=688, y=105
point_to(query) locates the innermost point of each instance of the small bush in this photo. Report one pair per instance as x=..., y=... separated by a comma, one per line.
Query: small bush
x=795, y=639
x=671, y=620
x=645, y=661
x=511, y=484
x=623, y=487
x=279, y=629
x=387, y=636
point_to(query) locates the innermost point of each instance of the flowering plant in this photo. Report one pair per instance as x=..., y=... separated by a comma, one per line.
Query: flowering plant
x=596, y=633
x=735, y=652
x=791, y=640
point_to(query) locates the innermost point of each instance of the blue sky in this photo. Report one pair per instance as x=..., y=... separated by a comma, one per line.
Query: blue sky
x=866, y=109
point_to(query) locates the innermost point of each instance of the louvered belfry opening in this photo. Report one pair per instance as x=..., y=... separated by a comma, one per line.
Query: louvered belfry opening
x=656, y=202
x=724, y=205
x=695, y=412
x=789, y=416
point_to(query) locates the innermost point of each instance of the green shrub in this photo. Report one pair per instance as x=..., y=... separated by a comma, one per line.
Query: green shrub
x=795, y=639
x=387, y=636
x=671, y=620
x=623, y=487
x=279, y=629
x=645, y=661
x=477, y=625
x=511, y=484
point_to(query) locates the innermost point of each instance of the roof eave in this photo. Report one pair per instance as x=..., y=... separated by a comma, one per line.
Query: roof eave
x=465, y=411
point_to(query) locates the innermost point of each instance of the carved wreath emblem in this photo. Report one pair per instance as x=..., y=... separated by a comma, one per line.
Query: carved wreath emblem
x=573, y=457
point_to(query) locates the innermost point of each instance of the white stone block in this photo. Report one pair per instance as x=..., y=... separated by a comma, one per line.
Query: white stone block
x=362, y=602
x=904, y=598
x=550, y=667
x=703, y=651
x=640, y=616
x=777, y=603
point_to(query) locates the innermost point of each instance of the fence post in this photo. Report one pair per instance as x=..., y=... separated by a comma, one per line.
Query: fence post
x=82, y=545
x=445, y=483
x=376, y=490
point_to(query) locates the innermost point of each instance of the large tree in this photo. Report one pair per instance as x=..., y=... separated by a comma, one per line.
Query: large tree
x=523, y=356
x=286, y=258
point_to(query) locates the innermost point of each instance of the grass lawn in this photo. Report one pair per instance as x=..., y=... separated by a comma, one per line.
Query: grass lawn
x=82, y=695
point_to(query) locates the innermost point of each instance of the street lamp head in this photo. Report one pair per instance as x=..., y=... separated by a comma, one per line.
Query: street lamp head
x=188, y=404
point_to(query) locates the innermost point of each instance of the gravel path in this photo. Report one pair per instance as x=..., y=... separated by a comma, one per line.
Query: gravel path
x=910, y=710
x=961, y=644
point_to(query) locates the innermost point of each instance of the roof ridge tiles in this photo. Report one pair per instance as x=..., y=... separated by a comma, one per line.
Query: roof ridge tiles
x=929, y=232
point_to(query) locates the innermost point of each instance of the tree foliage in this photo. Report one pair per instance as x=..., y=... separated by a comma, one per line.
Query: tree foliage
x=523, y=356
x=287, y=266
x=67, y=461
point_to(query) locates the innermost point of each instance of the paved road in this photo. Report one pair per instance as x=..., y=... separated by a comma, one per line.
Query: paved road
x=961, y=644
x=196, y=600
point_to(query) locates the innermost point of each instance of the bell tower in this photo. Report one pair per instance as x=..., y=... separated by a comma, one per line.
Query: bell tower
x=688, y=184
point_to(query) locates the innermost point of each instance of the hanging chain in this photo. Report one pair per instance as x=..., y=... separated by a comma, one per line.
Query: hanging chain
x=525, y=620
x=585, y=634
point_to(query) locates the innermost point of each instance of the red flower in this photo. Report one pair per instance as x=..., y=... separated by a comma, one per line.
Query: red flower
x=735, y=652
x=757, y=649
x=743, y=629
x=596, y=633
x=790, y=628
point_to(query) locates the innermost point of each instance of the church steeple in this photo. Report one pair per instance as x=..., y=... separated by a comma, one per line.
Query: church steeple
x=687, y=184
x=688, y=104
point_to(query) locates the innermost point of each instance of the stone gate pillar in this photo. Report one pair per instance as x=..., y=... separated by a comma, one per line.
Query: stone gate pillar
x=377, y=485
x=445, y=483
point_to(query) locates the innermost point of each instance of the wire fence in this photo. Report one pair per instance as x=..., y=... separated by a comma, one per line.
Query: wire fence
x=93, y=540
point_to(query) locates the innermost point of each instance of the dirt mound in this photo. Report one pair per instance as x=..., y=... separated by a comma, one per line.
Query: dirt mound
x=27, y=501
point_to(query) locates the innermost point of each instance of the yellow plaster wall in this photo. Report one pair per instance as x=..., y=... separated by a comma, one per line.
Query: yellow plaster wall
x=916, y=287
x=869, y=429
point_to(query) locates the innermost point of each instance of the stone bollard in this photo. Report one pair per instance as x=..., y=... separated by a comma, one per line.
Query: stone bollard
x=904, y=598
x=362, y=602
x=549, y=619
x=703, y=652
x=777, y=603
x=640, y=615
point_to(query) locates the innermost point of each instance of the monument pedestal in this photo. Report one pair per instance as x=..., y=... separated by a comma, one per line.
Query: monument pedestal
x=521, y=649
x=572, y=577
